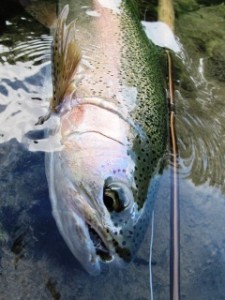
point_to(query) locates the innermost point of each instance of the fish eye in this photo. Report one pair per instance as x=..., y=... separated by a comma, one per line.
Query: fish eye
x=112, y=201
x=117, y=195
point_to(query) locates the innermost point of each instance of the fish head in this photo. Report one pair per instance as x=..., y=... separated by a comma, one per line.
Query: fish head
x=98, y=190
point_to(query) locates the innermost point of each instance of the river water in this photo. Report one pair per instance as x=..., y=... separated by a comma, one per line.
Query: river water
x=35, y=262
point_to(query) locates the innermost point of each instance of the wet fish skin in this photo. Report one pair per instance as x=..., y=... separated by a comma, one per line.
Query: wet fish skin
x=113, y=129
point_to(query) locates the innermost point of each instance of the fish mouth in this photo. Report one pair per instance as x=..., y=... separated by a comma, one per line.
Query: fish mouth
x=102, y=251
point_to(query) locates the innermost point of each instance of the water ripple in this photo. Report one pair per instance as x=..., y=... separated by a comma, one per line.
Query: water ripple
x=200, y=127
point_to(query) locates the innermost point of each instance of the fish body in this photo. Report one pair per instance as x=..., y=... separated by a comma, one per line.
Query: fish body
x=109, y=99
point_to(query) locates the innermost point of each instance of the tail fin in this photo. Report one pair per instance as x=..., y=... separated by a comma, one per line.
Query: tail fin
x=66, y=57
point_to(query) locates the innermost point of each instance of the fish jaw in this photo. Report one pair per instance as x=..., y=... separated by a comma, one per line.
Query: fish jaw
x=68, y=208
x=72, y=225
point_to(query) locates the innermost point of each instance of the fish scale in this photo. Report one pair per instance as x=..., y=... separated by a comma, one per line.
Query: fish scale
x=110, y=101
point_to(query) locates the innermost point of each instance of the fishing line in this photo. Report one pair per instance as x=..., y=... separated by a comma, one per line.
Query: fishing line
x=150, y=258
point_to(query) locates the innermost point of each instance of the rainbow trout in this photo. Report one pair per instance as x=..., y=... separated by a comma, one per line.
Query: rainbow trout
x=109, y=99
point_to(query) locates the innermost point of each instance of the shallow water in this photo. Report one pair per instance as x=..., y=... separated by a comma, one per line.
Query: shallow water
x=35, y=262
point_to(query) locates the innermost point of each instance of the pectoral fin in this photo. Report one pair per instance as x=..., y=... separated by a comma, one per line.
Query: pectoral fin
x=66, y=56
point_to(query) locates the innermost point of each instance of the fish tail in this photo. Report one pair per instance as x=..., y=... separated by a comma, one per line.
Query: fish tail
x=66, y=56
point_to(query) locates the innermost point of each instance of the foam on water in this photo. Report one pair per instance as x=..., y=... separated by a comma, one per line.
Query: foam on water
x=161, y=35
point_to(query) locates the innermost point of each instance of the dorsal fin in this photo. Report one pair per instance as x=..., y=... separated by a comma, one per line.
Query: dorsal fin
x=66, y=57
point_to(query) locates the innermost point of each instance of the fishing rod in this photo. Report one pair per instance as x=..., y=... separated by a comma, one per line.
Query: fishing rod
x=166, y=15
x=174, y=208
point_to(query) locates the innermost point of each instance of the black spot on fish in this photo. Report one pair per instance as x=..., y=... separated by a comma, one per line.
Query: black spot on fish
x=115, y=243
x=124, y=253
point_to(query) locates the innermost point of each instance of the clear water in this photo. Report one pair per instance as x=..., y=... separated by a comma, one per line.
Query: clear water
x=35, y=262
